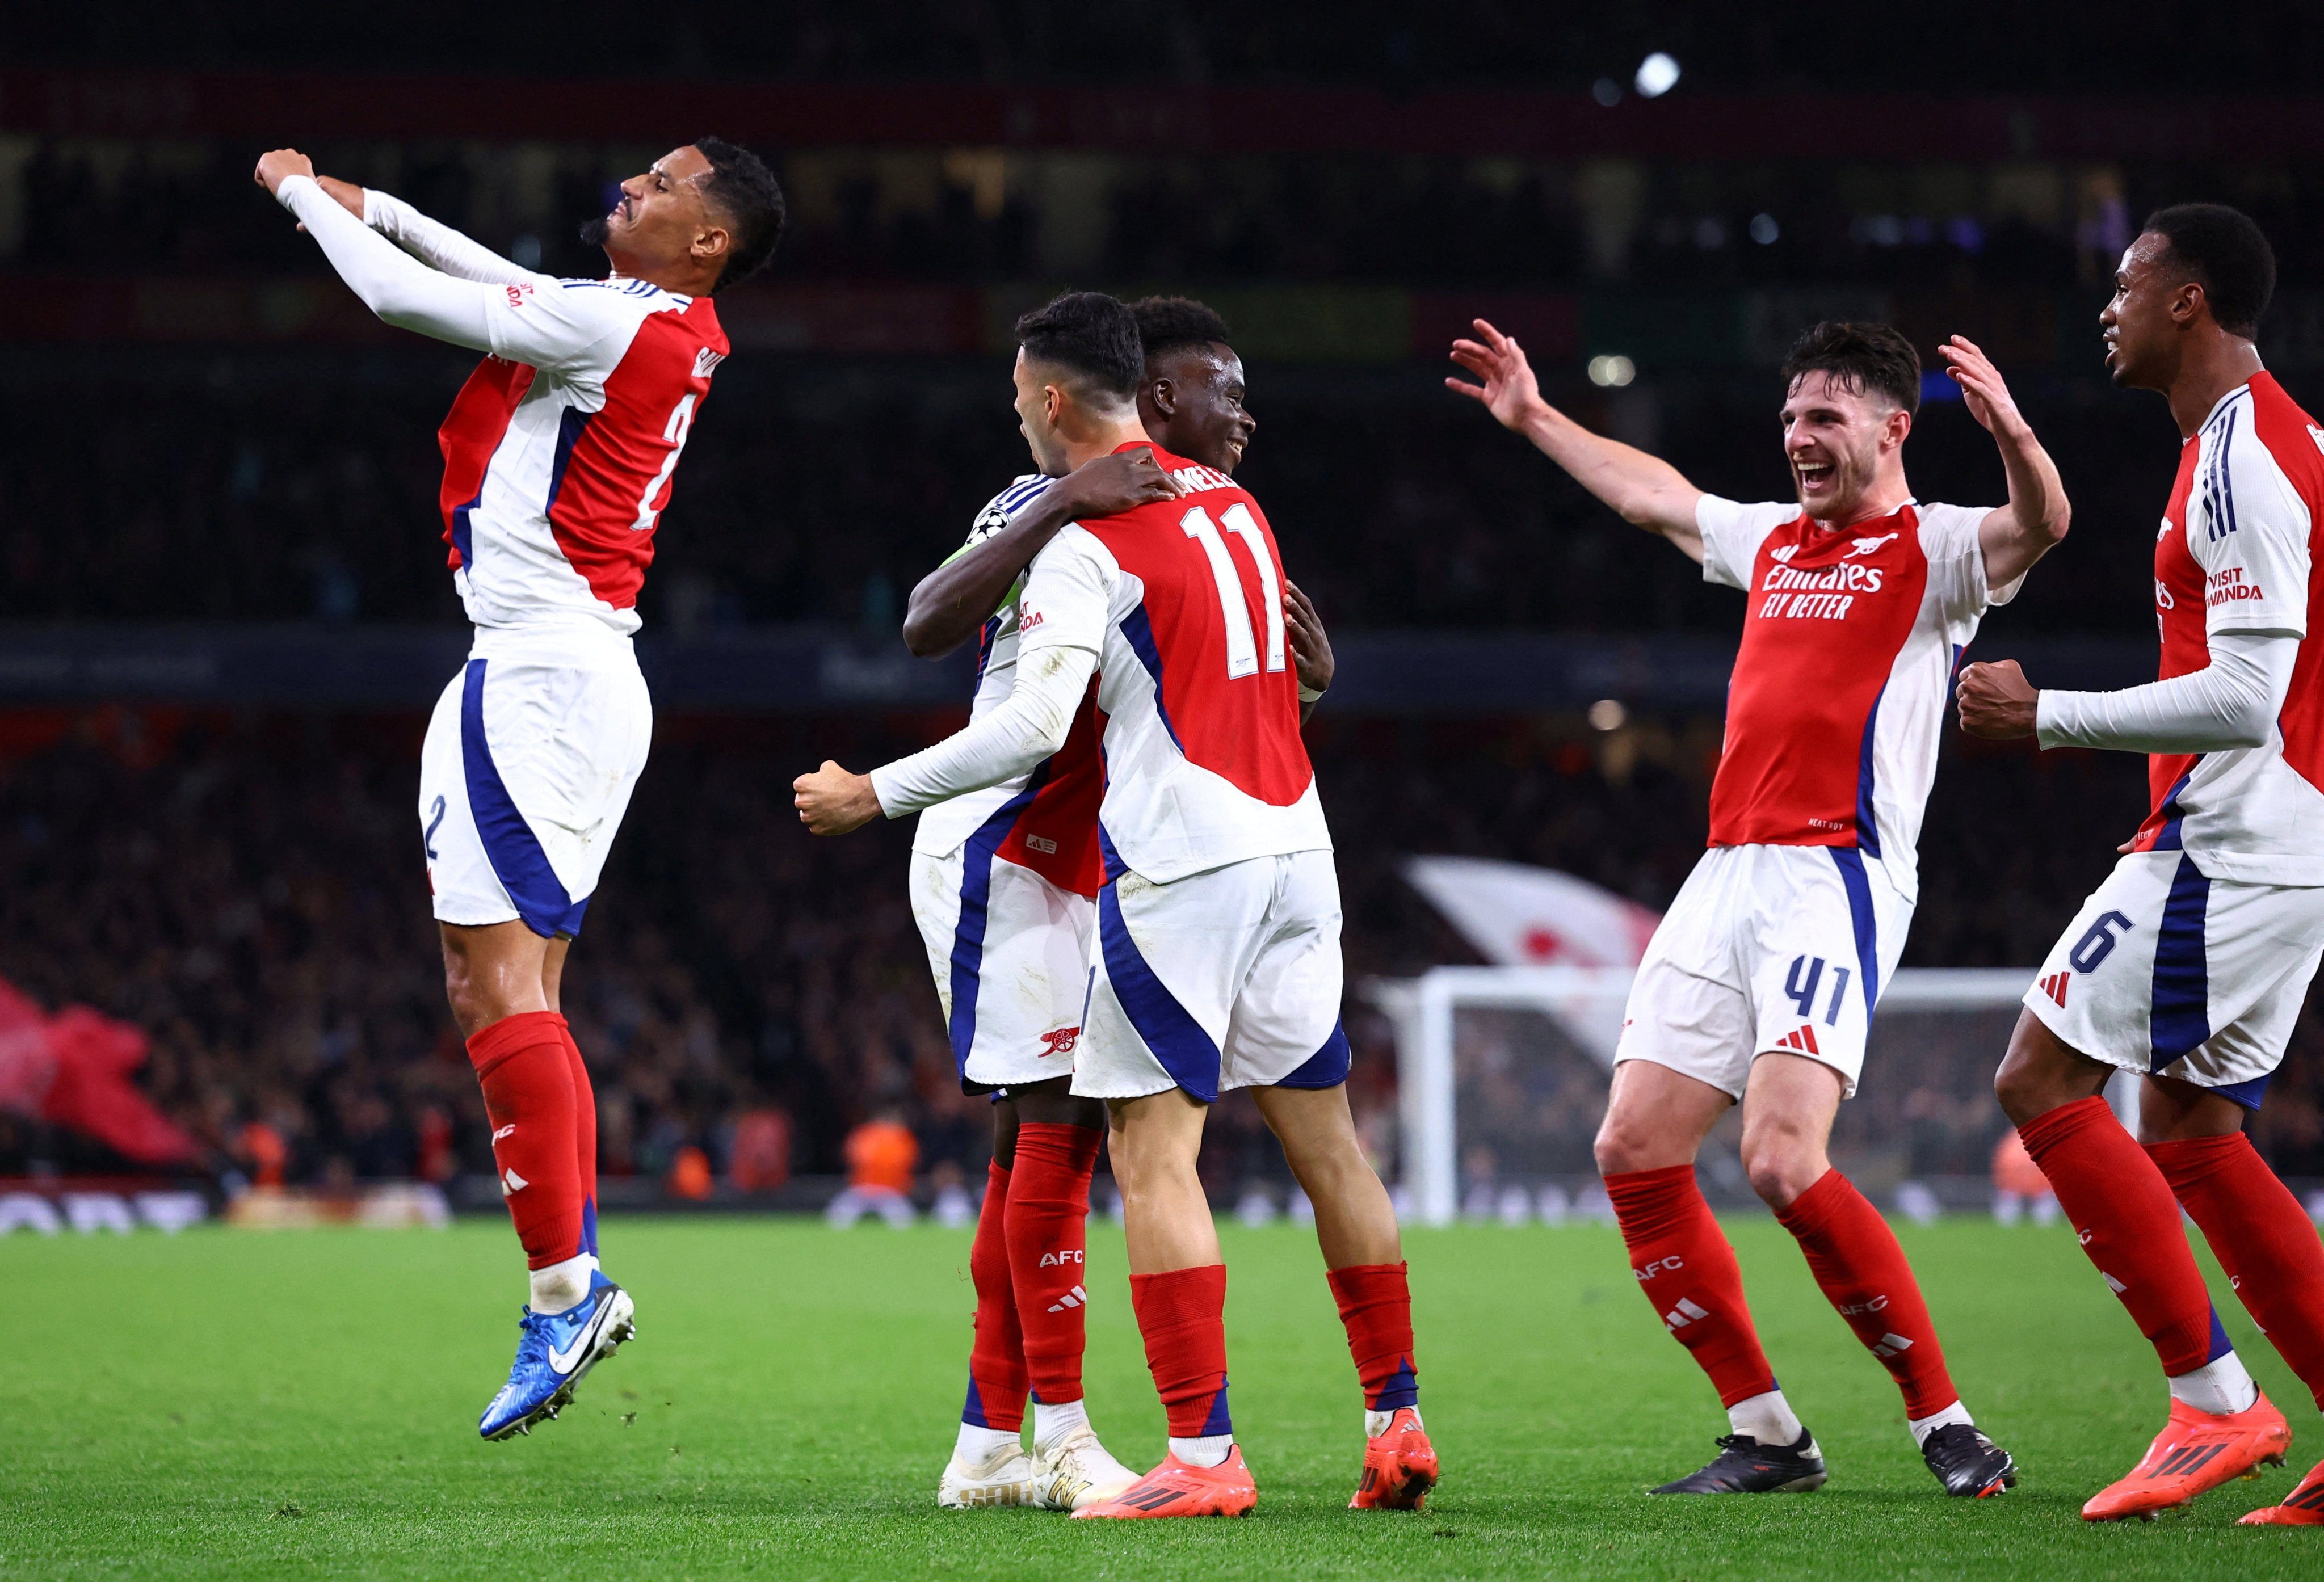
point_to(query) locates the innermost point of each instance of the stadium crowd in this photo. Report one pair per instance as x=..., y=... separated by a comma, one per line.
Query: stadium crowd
x=249, y=891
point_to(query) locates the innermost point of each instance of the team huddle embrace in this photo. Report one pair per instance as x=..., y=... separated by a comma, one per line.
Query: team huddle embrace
x=1124, y=877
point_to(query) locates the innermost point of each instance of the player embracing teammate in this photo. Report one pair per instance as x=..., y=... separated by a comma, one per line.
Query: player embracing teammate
x=2189, y=964
x=1216, y=959
x=558, y=456
x=1759, y=985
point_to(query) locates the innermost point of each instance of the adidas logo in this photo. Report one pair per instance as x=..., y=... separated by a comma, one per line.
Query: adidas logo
x=1073, y=1298
x=1803, y=1040
x=2054, y=986
x=2117, y=1286
x=1890, y=1345
x=512, y=1183
x=1685, y=1313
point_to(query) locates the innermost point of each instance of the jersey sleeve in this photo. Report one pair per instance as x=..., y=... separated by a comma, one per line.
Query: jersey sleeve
x=438, y=245
x=1953, y=541
x=1732, y=534
x=1068, y=598
x=2254, y=553
x=557, y=324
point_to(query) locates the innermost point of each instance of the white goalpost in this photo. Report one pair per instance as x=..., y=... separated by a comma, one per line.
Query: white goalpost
x=1935, y=1040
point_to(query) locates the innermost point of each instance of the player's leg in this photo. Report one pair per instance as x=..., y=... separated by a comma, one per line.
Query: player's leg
x=1363, y=1261
x=2110, y=993
x=1054, y=1154
x=524, y=775
x=1162, y=979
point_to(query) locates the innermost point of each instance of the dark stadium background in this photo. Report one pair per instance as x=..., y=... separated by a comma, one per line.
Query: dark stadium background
x=225, y=609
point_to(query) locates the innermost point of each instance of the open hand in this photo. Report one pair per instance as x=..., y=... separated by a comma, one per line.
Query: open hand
x=1311, y=650
x=832, y=802
x=1509, y=390
x=1996, y=702
x=1108, y=485
x=1982, y=390
x=276, y=166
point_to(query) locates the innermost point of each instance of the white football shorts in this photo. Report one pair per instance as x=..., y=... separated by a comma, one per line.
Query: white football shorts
x=1228, y=979
x=528, y=767
x=1009, y=952
x=2164, y=972
x=1767, y=950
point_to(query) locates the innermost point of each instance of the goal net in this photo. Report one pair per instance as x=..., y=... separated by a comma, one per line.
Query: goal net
x=1503, y=1074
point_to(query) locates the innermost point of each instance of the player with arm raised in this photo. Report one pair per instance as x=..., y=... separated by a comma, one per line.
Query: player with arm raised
x=2189, y=964
x=558, y=455
x=1007, y=924
x=1759, y=984
x=1217, y=962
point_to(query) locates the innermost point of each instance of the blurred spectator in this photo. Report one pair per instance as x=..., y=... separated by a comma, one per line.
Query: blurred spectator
x=881, y=1155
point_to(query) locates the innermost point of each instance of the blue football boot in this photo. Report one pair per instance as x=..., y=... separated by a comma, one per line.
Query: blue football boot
x=553, y=1352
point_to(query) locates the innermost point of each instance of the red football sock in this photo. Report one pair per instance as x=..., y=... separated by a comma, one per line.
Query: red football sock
x=522, y=1065
x=1182, y=1314
x=996, y=1360
x=2119, y=1203
x=1376, y=1307
x=2262, y=1237
x=1048, y=1232
x=1855, y=1258
x=585, y=1139
x=1688, y=1271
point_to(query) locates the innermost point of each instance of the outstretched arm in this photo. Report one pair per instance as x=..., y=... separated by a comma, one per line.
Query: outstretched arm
x=1644, y=490
x=434, y=243
x=953, y=601
x=399, y=288
x=2232, y=702
x=2020, y=533
x=1030, y=725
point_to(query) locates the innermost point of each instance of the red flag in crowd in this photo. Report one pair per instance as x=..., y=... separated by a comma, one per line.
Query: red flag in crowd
x=72, y=1070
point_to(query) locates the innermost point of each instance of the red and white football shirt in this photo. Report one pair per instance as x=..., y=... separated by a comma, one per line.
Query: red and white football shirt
x=1198, y=705
x=1051, y=823
x=1838, y=699
x=2237, y=553
x=558, y=451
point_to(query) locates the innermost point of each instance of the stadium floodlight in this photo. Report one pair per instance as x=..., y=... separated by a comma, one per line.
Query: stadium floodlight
x=1657, y=75
x=1470, y=1081
x=1607, y=92
x=1611, y=371
x=1764, y=230
x=1607, y=714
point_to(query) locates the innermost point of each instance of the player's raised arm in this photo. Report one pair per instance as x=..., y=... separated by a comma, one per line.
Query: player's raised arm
x=953, y=601
x=2020, y=533
x=403, y=290
x=1644, y=490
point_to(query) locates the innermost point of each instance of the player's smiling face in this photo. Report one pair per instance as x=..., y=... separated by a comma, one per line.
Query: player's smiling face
x=2139, y=324
x=1835, y=438
x=1194, y=399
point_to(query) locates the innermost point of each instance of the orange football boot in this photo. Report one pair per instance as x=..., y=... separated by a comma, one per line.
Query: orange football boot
x=2302, y=1507
x=1399, y=1466
x=1174, y=1488
x=2195, y=1452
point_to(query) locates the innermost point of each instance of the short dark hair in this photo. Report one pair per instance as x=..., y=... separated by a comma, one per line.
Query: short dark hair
x=2225, y=253
x=1165, y=324
x=1090, y=335
x=746, y=192
x=1860, y=358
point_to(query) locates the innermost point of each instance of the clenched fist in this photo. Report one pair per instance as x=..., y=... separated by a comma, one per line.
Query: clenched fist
x=1996, y=702
x=831, y=801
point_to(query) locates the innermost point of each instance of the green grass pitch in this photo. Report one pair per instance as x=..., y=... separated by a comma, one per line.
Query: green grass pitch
x=226, y=1403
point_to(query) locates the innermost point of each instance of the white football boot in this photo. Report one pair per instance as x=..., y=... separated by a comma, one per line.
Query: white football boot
x=1009, y=1477
x=1078, y=1471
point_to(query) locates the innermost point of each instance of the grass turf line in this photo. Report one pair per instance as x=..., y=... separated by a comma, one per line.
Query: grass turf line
x=225, y=1403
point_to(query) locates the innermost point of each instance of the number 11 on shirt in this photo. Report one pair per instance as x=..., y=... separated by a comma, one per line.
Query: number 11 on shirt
x=1243, y=644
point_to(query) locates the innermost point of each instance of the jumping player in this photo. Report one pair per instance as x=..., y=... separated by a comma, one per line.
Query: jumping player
x=1759, y=985
x=559, y=454
x=1003, y=887
x=1217, y=961
x=2190, y=963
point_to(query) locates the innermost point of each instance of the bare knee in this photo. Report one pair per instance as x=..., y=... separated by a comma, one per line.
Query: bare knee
x=1782, y=1162
x=2041, y=1072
